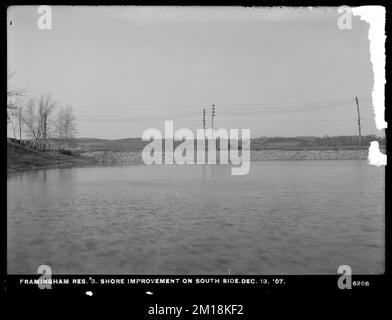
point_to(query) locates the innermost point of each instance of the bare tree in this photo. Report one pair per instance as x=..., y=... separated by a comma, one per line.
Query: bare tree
x=12, y=94
x=45, y=109
x=14, y=128
x=65, y=124
x=17, y=121
x=32, y=120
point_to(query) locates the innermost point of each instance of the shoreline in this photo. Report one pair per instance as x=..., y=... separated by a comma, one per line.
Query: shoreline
x=23, y=163
x=129, y=157
x=19, y=169
x=21, y=159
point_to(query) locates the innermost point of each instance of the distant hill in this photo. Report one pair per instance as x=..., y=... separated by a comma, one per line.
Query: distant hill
x=294, y=143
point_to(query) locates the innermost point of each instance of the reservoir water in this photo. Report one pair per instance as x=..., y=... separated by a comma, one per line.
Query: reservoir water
x=284, y=217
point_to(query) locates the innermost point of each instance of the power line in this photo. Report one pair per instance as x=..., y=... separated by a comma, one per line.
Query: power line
x=226, y=112
x=242, y=104
x=238, y=112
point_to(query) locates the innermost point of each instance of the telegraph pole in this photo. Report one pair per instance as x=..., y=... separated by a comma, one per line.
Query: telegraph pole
x=359, y=122
x=212, y=122
x=204, y=126
x=204, y=119
x=212, y=116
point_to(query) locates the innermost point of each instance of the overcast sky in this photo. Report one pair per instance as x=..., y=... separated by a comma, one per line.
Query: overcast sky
x=279, y=72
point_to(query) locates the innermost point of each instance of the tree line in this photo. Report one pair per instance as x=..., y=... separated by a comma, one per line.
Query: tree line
x=39, y=118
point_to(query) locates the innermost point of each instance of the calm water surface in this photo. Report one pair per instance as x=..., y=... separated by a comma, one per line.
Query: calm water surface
x=284, y=217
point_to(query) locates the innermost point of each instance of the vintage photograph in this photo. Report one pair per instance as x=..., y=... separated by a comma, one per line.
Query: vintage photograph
x=165, y=140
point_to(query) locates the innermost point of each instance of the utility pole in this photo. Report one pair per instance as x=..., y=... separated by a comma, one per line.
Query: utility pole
x=359, y=123
x=204, y=119
x=212, y=122
x=212, y=116
x=204, y=127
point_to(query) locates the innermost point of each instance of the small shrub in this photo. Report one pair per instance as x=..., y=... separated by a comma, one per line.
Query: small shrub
x=67, y=152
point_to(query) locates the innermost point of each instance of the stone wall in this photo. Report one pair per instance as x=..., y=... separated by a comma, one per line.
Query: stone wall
x=264, y=155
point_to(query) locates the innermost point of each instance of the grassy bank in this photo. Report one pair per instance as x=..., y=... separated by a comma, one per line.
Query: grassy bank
x=20, y=158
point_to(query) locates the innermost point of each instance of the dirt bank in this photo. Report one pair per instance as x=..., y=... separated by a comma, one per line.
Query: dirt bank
x=20, y=158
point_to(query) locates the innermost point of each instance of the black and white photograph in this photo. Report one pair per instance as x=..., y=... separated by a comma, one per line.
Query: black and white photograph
x=195, y=140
